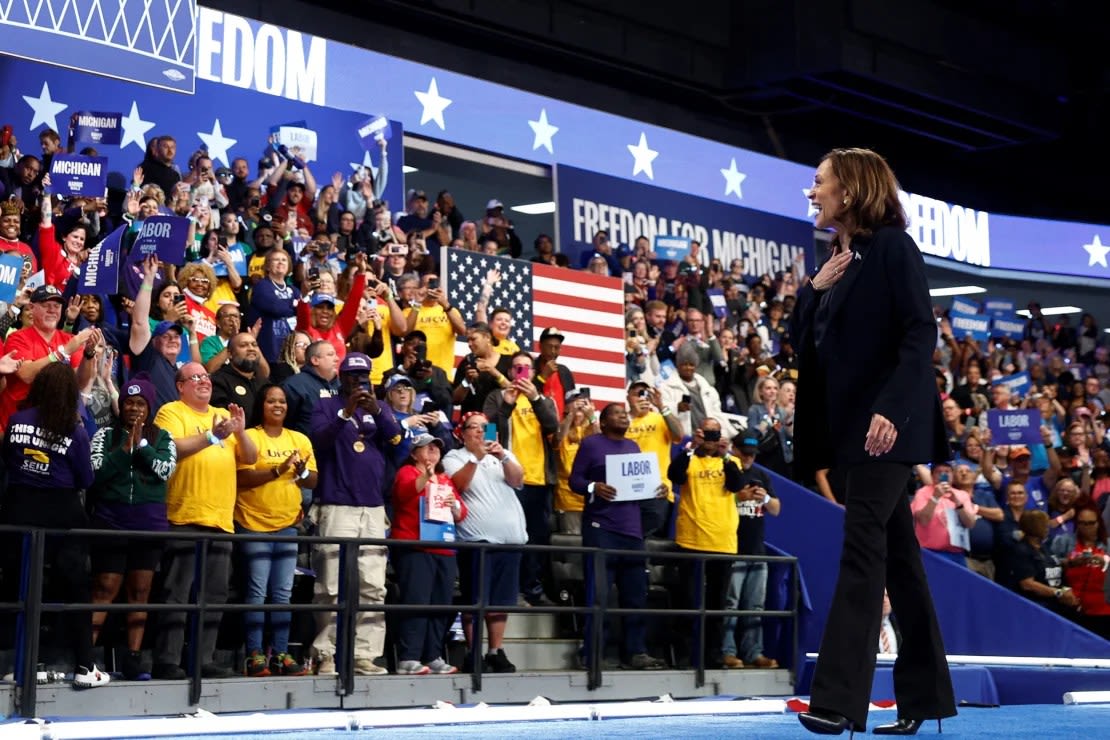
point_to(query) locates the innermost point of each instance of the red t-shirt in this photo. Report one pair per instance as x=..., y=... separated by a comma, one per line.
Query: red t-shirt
x=405, y=524
x=1086, y=580
x=29, y=345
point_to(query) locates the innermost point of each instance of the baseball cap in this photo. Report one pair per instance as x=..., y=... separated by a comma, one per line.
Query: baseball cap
x=322, y=298
x=624, y=250
x=143, y=388
x=396, y=380
x=748, y=442
x=423, y=440
x=163, y=327
x=552, y=333
x=295, y=184
x=414, y=193
x=45, y=293
x=1020, y=451
x=639, y=383
x=494, y=203
x=355, y=362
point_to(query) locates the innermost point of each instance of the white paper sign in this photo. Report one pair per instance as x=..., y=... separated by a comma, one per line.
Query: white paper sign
x=301, y=142
x=635, y=475
x=35, y=281
x=438, y=500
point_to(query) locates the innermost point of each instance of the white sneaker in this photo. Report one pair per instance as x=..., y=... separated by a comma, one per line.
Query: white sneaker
x=413, y=668
x=367, y=667
x=441, y=666
x=325, y=666
x=85, y=678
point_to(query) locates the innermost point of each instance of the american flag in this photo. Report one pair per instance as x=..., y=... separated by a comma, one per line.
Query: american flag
x=587, y=309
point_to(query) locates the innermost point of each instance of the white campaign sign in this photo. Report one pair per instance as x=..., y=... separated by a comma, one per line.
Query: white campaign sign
x=635, y=475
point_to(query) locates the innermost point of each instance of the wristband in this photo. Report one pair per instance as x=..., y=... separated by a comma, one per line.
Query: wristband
x=665, y=412
x=590, y=488
x=935, y=500
x=52, y=357
x=303, y=474
x=212, y=438
x=277, y=473
x=146, y=287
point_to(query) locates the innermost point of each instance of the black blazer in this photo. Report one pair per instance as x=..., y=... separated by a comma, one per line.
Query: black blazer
x=875, y=356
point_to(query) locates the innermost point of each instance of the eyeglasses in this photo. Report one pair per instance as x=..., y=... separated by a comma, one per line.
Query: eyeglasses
x=300, y=345
x=474, y=426
x=199, y=279
x=199, y=377
x=235, y=316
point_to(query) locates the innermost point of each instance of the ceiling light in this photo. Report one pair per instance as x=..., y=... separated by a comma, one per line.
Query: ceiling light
x=535, y=209
x=1052, y=311
x=956, y=290
x=408, y=169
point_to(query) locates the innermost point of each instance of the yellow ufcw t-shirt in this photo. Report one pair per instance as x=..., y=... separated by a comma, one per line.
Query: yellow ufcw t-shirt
x=385, y=360
x=707, y=517
x=527, y=442
x=507, y=346
x=201, y=490
x=651, y=432
x=433, y=321
x=565, y=499
x=277, y=503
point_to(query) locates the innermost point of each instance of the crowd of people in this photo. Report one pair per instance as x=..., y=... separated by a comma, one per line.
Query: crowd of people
x=297, y=374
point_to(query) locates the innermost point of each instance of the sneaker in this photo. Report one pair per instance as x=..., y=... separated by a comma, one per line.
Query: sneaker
x=441, y=667
x=497, y=662
x=284, y=664
x=255, y=665
x=131, y=666
x=731, y=661
x=325, y=666
x=367, y=667
x=215, y=670
x=167, y=672
x=90, y=678
x=762, y=661
x=643, y=662
x=412, y=668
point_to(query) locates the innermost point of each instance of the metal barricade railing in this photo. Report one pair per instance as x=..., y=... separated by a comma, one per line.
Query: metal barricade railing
x=30, y=606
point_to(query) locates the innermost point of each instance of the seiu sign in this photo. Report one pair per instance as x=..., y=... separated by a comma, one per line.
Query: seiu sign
x=259, y=56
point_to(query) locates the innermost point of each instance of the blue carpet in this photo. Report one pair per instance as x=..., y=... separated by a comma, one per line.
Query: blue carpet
x=1044, y=722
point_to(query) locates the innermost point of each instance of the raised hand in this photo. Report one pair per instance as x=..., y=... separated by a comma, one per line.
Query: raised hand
x=337, y=182
x=73, y=309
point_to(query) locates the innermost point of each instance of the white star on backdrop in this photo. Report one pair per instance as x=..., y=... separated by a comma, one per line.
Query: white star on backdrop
x=356, y=166
x=45, y=110
x=1097, y=252
x=434, y=105
x=134, y=128
x=811, y=210
x=733, y=178
x=643, y=157
x=543, y=132
x=217, y=143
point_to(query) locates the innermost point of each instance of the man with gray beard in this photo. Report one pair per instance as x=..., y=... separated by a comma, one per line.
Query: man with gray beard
x=240, y=379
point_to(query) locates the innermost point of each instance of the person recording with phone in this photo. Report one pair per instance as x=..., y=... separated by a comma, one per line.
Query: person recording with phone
x=945, y=533
x=430, y=382
x=526, y=421
x=431, y=312
x=655, y=428
x=320, y=321
x=481, y=372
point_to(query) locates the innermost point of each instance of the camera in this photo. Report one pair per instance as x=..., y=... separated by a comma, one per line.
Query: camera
x=397, y=249
x=267, y=218
x=644, y=393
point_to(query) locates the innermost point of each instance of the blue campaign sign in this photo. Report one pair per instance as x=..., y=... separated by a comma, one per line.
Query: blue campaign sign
x=1018, y=383
x=229, y=121
x=100, y=273
x=1011, y=326
x=99, y=129
x=372, y=131
x=671, y=247
x=150, y=42
x=587, y=202
x=73, y=175
x=969, y=324
x=966, y=305
x=999, y=306
x=238, y=258
x=11, y=270
x=1018, y=427
x=164, y=236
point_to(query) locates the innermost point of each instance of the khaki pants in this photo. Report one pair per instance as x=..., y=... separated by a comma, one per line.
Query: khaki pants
x=350, y=521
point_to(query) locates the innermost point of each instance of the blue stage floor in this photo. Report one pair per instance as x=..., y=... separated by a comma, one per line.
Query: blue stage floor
x=1041, y=721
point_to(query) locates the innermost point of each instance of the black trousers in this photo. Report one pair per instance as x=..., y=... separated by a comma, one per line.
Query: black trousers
x=880, y=548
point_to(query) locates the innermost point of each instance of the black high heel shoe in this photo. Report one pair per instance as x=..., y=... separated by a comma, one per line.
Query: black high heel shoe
x=821, y=722
x=902, y=727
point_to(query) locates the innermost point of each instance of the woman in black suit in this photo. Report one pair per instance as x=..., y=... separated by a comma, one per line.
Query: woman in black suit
x=866, y=316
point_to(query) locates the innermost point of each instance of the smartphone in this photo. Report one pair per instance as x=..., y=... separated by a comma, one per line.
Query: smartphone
x=583, y=392
x=313, y=273
x=421, y=351
x=429, y=407
x=712, y=435
x=644, y=393
x=179, y=298
x=686, y=398
x=490, y=434
x=520, y=371
x=398, y=249
x=433, y=283
x=942, y=478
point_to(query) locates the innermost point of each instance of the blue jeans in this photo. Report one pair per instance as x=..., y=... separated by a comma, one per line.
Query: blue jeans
x=270, y=567
x=747, y=589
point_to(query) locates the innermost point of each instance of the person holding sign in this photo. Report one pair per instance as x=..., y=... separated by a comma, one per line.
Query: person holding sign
x=865, y=334
x=426, y=506
x=707, y=517
x=612, y=523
